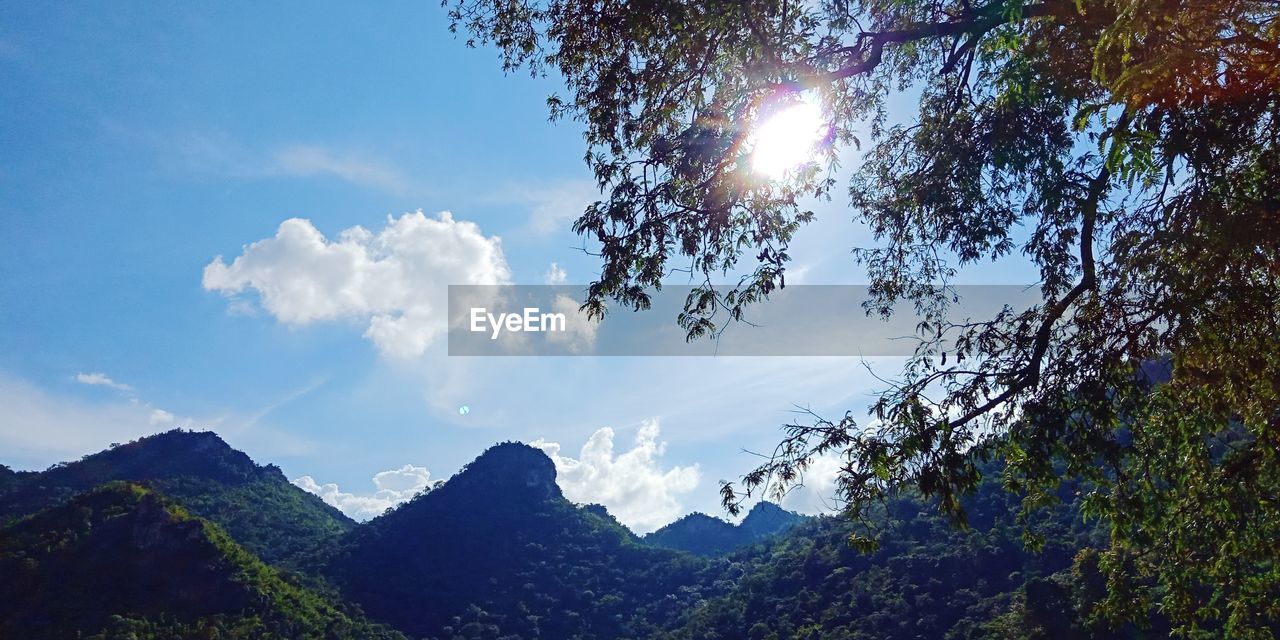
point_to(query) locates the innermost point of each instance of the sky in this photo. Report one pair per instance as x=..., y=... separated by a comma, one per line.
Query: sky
x=243, y=218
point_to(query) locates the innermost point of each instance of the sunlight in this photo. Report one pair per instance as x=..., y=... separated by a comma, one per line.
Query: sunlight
x=787, y=139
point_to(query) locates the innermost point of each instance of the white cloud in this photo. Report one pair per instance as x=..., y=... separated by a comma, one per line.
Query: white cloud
x=101, y=379
x=392, y=488
x=396, y=279
x=217, y=154
x=555, y=274
x=157, y=417
x=555, y=207
x=162, y=417
x=39, y=427
x=631, y=484
x=579, y=333
x=817, y=493
x=313, y=160
x=241, y=308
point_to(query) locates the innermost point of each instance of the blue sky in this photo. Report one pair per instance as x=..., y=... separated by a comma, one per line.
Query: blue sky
x=141, y=142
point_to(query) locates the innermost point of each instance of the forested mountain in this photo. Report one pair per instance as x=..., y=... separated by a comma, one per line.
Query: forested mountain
x=927, y=580
x=256, y=504
x=766, y=519
x=497, y=552
x=708, y=536
x=121, y=562
x=7, y=477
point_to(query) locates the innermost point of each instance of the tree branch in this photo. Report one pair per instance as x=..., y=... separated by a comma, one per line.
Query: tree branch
x=977, y=24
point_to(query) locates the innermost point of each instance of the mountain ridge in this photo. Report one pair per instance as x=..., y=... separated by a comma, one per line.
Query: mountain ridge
x=123, y=561
x=256, y=504
x=498, y=547
x=498, y=552
x=706, y=535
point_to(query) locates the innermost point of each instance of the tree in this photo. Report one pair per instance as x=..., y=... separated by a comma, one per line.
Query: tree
x=1135, y=142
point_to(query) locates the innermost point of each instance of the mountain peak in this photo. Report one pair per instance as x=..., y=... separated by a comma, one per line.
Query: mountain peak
x=122, y=550
x=174, y=453
x=203, y=473
x=707, y=535
x=767, y=518
x=511, y=467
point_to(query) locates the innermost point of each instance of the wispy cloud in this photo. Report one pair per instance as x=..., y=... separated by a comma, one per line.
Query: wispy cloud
x=555, y=275
x=551, y=207
x=39, y=426
x=286, y=399
x=99, y=379
x=162, y=417
x=318, y=161
x=217, y=154
x=158, y=416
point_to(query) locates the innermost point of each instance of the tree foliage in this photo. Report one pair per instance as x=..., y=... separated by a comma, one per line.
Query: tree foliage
x=256, y=504
x=498, y=552
x=121, y=561
x=1130, y=149
x=928, y=579
x=704, y=535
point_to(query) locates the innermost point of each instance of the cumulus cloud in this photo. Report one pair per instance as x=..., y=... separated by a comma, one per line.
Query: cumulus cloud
x=817, y=493
x=631, y=484
x=392, y=487
x=395, y=280
x=579, y=333
x=102, y=380
x=555, y=274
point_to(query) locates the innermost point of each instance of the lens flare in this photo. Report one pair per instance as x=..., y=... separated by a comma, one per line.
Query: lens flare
x=787, y=139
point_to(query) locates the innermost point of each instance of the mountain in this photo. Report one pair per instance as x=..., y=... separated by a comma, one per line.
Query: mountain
x=698, y=533
x=256, y=504
x=708, y=536
x=7, y=477
x=928, y=579
x=766, y=519
x=497, y=551
x=123, y=562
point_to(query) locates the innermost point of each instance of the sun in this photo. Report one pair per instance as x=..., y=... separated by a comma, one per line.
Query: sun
x=787, y=139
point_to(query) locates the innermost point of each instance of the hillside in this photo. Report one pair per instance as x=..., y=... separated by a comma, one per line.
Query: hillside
x=123, y=562
x=255, y=504
x=7, y=477
x=497, y=551
x=709, y=536
x=927, y=580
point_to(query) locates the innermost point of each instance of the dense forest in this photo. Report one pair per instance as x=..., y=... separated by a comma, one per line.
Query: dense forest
x=121, y=561
x=255, y=504
x=498, y=552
